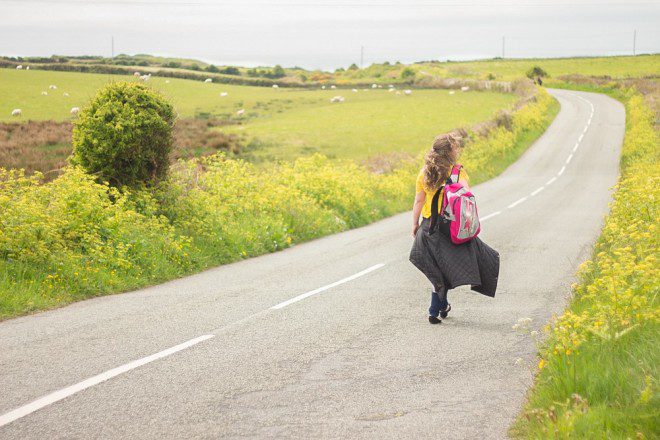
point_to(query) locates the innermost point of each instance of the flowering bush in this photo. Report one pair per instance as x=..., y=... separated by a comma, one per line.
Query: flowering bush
x=599, y=365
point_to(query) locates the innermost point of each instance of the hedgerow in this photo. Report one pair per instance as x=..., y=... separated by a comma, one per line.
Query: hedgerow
x=75, y=237
x=598, y=367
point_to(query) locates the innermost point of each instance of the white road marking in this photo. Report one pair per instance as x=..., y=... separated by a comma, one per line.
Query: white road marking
x=517, y=202
x=549, y=182
x=324, y=288
x=538, y=190
x=95, y=380
x=580, y=138
x=483, y=219
x=568, y=159
x=562, y=170
x=575, y=147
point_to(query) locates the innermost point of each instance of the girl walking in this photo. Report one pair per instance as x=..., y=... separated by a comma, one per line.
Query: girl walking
x=445, y=264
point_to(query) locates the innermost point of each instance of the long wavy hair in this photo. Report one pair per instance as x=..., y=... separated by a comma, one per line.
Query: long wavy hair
x=440, y=158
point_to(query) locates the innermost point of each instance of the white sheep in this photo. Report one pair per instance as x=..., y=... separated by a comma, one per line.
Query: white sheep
x=390, y=90
x=323, y=87
x=223, y=94
x=167, y=81
x=27, y=68
x=241, y=112
x=52, y=87
x=333, y=86
x=19, y=67
x=379, y=86
x=451, y=92
x=65, y=94
x=337, y=99
x=354, y=90
x=75, y=110
x=374, y=86
x=16, y=112
x=275, y=86
x=391, y=86
x=44, y=93
x=208, y=80
x=145, y=78
x=137, y=74
x=407, y=92
x=465, y=89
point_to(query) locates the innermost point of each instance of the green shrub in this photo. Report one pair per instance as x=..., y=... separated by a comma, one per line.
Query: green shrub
x=536, y=71
x=124, y=136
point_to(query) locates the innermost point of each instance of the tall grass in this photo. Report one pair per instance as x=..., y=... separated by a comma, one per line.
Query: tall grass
x=598, y=368
x=72, y=237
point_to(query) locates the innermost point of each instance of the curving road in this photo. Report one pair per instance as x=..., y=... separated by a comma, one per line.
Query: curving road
x=328, y=339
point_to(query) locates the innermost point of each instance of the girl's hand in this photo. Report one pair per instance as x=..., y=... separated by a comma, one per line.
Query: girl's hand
x=414, y=230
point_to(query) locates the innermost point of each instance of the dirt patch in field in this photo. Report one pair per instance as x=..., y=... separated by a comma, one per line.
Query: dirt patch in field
x=45, y=145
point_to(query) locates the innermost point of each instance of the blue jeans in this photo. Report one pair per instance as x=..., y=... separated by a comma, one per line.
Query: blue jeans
x=438, y=302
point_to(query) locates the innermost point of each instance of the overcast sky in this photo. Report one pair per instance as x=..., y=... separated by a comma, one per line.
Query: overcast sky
x=328, y=34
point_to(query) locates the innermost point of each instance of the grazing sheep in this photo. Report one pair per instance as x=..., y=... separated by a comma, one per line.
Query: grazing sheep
x=52, y=87
x=333, y=86
x=379, y=86
x=208, y=80
x=241, y=112
x=65, y=94
x=75, y=110
x=44, y=93
x=223, y=94
x=27, y=68
x=145, y=78
x=322, y=87
x=137, y=74
x=337, y=99
x=465, y=89
x=407, y=92
x=167, y=81
x=19, y=67
x=390, y=90
x=374, y=86
x=16, y=112
x=391, y=86
x=451, y=92
x=354, y=90
x=275, y=86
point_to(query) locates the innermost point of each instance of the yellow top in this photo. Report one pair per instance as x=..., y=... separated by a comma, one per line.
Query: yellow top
x=421, y=186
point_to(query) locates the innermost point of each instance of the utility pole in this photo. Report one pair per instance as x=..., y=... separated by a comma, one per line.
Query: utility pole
x=634, y=41
x=503, y=45
x=361, y=56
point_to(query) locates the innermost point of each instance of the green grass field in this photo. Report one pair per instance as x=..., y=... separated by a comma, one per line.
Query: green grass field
x=510, y=69
x=285, y=122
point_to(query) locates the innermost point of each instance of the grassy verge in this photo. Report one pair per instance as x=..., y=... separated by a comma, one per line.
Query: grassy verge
x=598, y=367
x=73, y=238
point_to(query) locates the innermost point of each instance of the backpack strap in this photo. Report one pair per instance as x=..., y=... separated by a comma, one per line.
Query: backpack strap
x=455, y=173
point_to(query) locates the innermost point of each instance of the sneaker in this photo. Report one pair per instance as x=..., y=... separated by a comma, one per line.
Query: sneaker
x=434, y=320
x=444, y=313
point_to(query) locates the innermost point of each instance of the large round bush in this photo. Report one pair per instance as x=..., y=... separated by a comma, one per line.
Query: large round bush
x=125, y=135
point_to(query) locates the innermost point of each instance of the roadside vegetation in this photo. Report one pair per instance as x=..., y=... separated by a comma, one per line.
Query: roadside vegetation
x=79, y=236
x=599, y=365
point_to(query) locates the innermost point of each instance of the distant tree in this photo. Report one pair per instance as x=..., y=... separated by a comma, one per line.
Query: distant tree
x=143, y=63
x=386, y=63
x=339, y=69
x=407, y=73
x=490, y=76
x=212, y=68
x=535, y=72
x=230, y=70
x=303, y=77
x=278, y=71
x=353, y=67
x=194, y=66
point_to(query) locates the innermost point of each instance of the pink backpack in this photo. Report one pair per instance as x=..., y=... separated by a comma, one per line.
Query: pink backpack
x=459, y=209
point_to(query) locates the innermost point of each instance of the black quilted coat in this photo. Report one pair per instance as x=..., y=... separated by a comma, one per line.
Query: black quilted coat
x=447, y=264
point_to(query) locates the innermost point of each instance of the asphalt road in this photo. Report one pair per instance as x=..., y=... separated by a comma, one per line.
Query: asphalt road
x=355, y=356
